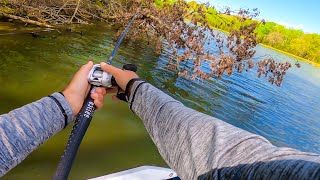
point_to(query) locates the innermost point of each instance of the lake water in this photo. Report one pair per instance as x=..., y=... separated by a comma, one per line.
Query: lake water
x=116, y=139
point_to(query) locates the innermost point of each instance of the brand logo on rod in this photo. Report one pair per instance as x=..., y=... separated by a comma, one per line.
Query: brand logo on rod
x=89, y=110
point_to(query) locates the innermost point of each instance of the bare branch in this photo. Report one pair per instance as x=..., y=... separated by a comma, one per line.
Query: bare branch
x=26, y=20
x=75, y=11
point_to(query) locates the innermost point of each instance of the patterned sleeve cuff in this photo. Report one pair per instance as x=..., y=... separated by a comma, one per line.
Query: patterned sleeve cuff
x=133, y=90
x=65, y=105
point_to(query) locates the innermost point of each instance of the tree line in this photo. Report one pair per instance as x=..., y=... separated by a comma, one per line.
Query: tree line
x=305, y=45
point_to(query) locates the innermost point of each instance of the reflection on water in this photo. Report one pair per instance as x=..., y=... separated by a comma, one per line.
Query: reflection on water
x=35, y=67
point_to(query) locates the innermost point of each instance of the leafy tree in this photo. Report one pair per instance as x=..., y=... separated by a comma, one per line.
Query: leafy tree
x=274, y=38
x=300, y=46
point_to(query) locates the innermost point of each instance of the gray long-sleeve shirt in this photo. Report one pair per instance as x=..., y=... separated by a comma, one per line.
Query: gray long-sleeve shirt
x=198, y=146
x=23, y=130
x=195, y=145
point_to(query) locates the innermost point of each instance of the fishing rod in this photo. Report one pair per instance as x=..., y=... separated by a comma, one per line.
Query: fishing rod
x=96, y=77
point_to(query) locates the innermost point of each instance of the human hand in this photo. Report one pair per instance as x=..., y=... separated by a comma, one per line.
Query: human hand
x=78, y=88
x=122, y=76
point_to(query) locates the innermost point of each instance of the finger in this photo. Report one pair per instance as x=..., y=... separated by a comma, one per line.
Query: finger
x=98, y=103
x=98, y=98
x=115, y=98
x=87, y=67
x=79, y=82
x=84, y=71
x=110, y=69
x=111, y=90
x=94, y=96
x=101, y=90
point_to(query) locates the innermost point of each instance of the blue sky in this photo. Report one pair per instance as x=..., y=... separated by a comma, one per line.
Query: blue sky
x=297, y=14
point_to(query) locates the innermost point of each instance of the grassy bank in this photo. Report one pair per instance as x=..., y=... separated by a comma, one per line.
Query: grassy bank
x=292, y=55
x=283, y=52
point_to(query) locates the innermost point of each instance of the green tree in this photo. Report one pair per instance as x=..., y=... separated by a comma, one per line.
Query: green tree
x=300, y=46
x=275, y=38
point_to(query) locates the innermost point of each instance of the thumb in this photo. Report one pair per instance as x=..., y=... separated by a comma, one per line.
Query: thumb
x=77, y=89
x=110, y=69
x=82, y=74
x=85, y=69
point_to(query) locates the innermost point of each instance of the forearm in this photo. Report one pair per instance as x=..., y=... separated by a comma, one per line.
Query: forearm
x=196, y=145
x=24, y=129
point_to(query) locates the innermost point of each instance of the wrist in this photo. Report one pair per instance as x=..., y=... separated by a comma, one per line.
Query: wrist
x=64, y=106
x=69, y=98
x=133, y=91
x=129, y=86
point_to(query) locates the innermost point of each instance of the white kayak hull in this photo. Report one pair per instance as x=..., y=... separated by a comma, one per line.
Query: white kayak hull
x=141, y=173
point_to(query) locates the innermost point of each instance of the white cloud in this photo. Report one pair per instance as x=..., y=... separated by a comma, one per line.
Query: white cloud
x=289, y=25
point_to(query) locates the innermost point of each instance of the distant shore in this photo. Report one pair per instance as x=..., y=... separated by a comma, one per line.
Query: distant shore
x=292, y=55
x=283, y=52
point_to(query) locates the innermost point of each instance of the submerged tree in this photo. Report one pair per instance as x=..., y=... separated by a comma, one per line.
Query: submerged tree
x=192, y=42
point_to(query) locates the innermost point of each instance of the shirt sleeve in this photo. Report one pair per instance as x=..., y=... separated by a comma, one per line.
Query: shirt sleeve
x=23, y=130
x=198, y=146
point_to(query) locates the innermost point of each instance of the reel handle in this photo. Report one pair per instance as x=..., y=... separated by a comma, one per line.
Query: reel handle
x=130, y=67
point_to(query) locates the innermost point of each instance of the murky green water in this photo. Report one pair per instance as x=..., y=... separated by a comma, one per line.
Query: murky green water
x=116, y=139
x=35, y=67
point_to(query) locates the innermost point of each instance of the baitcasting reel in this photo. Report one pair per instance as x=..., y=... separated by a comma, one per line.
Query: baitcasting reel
x=98, y=77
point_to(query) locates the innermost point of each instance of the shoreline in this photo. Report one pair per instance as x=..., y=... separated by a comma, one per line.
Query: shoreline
x=292, y=55
x=4, y=27
x=283, y=52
